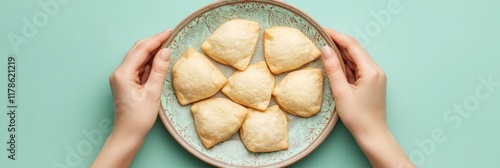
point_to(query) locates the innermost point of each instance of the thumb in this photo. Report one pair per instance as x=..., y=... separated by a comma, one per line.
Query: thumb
x=159, y=70
x=334, y=70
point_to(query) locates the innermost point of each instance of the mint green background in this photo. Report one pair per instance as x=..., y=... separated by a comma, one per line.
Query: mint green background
x=433, y=53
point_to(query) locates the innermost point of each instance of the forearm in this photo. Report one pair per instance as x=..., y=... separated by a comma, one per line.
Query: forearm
x=382, y=149
x=118, y=151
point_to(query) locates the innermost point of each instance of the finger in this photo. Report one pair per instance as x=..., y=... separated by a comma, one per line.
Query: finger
x=140, y=42
x=355, y=51
x=145, y=74
x=350, y=65
x=350, y=68
x=345, y=54
x=334, y=71
x=142, y=50
x=158, y=70
x=354, y=76
x=350, y=71
x=345, y=57
x=350, y=76
x=141, y=71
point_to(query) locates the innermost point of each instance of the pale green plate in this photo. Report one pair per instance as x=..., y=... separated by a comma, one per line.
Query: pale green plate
x=305, y=134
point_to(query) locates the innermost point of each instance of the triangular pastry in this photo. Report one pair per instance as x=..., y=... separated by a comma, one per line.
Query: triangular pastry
x=233, y=43
x=265, y=131
x=300, y=92
x=217, y=119
x=195, y=77
x=287, y=48
x=252, y=87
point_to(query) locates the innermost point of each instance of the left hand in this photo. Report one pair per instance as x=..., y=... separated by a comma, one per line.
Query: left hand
x=137, y=84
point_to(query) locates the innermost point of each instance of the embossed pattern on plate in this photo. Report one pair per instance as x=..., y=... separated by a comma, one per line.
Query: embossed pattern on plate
x=305, y=134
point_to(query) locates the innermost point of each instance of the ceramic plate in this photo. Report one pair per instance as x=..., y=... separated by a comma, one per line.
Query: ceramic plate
x=305, y=134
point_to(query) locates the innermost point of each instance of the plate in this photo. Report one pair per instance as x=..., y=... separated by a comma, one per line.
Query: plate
x=305, y=134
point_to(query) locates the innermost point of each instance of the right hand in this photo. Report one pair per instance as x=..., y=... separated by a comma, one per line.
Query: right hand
x=360, y=92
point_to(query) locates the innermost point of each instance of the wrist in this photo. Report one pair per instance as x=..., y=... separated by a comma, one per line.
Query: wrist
x=373, y=136
x=370, y=131
x=133, y=133
x=367, y=128
x=118, y=151
x=381, y=148
x=126, y=140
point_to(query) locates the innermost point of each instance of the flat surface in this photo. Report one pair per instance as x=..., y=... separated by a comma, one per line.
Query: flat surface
x=435, y=54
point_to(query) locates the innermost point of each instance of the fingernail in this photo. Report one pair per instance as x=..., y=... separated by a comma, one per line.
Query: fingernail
x=326, y=52
x=168, y=30
x=165, y=54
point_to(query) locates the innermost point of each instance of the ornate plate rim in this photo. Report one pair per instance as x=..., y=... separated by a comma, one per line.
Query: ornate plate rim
x=312, y=146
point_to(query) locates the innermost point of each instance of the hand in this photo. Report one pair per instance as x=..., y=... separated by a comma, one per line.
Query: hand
x=136, y=85
x=360, y=98
x=360, y=92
